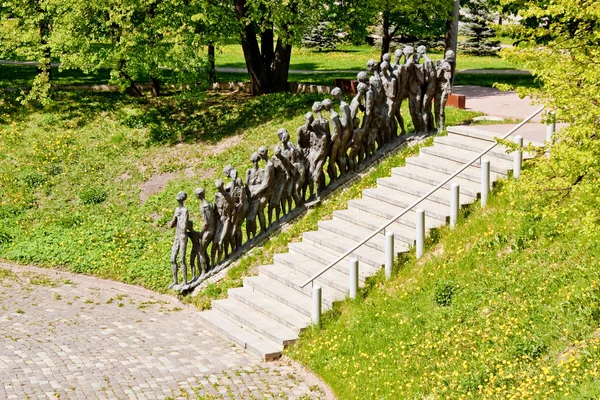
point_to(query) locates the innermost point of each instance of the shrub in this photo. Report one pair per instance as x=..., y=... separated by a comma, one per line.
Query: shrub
x=93, y=195
x=443, y=292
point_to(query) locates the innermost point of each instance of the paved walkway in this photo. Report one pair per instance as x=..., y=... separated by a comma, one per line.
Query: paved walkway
x=76, y=337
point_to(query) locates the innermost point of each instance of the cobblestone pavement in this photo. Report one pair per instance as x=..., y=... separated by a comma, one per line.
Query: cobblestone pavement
x=72, y=337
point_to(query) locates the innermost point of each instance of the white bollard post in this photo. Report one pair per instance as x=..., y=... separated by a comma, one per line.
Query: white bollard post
x=485, y=181
x=389, y=254
x=316, y=306
x=454, y=204
x=420, y=233
x=518, y=157
x=550, y=128
x=353, y=276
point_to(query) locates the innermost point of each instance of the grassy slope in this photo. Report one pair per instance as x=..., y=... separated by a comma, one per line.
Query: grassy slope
x=507, y=306
x=88, y=148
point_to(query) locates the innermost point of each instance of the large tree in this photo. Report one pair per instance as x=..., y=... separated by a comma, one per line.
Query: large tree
x=268, y=28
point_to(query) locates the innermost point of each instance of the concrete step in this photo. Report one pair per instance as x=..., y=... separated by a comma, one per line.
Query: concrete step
x=271, y=307
x=389, y=211
x=256, y=321
x=299, y=301
x=403, y=200
x=309, y=267
x=325, y=257
x=463, y=156
x=483, y=135
x=449, y=167
x=338, y=245
x=435, y=177
x=370, y=222
x=418, y=188
x=293, y=279
x=475, y=145
x=251, y=341
x=357, y=233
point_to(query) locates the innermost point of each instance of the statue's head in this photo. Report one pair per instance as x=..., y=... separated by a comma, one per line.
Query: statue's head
x=398, y=53
x=181, y=196
x=372, y=65
x=362, y=77
x=277, y=151
x=421, y=50
x=336, y=93
x=254, y=158
x=219, y=185
x=326, y=104
x=199, y=193
x=309, y=117
x=263, y=152
x=386, y=57
x=408, y=51
x=227, y=170
x=283, y=134
x=233, y=174
x=450, y=56
x=361, y=88
x=317, y=106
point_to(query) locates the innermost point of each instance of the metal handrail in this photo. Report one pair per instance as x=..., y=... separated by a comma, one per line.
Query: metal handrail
x=417, y=202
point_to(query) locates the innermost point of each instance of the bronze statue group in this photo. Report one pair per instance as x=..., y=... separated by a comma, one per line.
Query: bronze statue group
x=296, y=172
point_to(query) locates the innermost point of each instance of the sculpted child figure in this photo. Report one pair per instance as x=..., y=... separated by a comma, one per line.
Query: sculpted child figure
x=180, y=223
x=287, y=156
x=443, y=88
x=401, y=75
x=223, y=238
x=428, y=89
x=347, y=127
x=319, y=144
x=253, y=179
x=335, y=148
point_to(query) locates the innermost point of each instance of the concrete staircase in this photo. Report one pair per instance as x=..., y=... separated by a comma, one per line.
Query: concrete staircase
x=270, y=310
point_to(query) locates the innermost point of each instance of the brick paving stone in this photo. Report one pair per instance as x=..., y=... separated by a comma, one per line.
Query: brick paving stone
x=81, y=337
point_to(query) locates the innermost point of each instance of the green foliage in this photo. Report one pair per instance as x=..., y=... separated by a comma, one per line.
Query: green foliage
x=478, y=30
x=321, y=37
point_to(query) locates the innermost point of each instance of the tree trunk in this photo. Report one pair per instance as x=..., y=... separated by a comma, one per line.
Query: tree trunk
x=386, y=38
x=212, y=72
x=155, y=86
x=45, y=66
x=281, y=66
x=254, y=62
x=452, y=33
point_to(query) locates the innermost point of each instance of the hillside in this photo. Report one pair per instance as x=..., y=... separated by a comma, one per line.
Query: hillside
x=505, y=306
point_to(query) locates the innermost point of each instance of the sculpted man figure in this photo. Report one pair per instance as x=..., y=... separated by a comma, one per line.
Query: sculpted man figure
x=378, y=131
x=209, y=228
x=287, y=159
x=401, y=75
x=429, y=87
x=223, y=238
x=180, y=223
x=280, y=178
x=388, y=79
x=253, y=179
x=262, y=191
x=319, y=144
x=304, y=134
x=240, y=200
x=358, y=148
x=335, y=156
x=443, y=88
x=415, y=83
x=347, y=126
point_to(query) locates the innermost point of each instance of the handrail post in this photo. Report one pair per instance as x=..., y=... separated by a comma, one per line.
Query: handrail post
x=485, y=181
x=353, y=277
x=389, y=254
x=316, y=305
x=420, y=233
x=454, y=203
x=518, y=157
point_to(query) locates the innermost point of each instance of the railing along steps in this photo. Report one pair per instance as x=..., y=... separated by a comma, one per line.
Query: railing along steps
x=270, y=310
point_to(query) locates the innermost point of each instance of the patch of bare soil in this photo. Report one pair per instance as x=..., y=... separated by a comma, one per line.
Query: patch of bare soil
x=155, y=184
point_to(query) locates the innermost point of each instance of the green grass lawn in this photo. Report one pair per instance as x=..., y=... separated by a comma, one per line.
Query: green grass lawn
x=505, y=306
x=72, y=175
x=347, y=57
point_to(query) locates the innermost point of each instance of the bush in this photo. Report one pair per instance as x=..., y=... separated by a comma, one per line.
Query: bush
x=443, y=292
x=93, y=195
